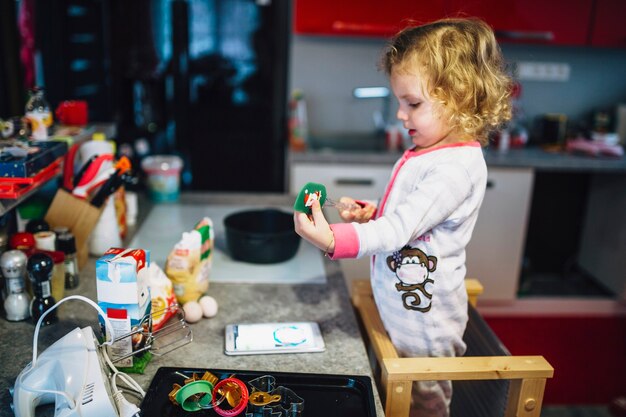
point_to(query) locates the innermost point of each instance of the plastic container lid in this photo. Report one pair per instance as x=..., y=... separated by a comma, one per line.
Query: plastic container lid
x=66, y=243
x=37, y=225
x=22, y=240
x=59, y=230
x=162, y=163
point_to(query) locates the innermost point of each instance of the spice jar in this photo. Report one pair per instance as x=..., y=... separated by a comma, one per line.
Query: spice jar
x=66, y=243
x=17, y=301
x=57, y=278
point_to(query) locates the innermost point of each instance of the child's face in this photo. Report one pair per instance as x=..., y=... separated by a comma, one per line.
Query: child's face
x=418, y=113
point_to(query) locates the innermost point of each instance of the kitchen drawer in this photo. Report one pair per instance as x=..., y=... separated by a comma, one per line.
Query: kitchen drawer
x=494, y=254
x=359, y=181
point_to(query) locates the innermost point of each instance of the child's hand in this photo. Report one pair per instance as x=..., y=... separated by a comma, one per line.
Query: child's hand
x=360, y=215
x=315, y=228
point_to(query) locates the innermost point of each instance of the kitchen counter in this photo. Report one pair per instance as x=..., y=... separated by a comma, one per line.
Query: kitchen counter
x=528, y=189
x=328, y=304
x=530, y=157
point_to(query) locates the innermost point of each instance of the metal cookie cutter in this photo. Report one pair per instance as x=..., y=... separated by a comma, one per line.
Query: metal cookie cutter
x=267, y=400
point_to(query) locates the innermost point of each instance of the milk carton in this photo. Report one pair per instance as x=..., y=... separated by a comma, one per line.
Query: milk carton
x=123, y=293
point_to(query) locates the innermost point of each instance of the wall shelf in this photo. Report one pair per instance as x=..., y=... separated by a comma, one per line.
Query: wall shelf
x=7, y=204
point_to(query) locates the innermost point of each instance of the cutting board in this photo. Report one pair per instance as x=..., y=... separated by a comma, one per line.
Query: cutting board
x=165, y=224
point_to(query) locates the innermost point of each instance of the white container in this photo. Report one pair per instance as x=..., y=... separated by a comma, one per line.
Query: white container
x=505, y=141
x=106, y=234
x=163, y=176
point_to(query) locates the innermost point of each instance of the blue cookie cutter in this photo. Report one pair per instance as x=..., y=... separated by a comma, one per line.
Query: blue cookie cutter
x=277, y=401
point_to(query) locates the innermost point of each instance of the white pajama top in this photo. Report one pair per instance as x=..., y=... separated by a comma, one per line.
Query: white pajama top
x=417, y=241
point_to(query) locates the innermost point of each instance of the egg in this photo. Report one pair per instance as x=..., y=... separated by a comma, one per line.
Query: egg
x=209, y=306
x=193, y=311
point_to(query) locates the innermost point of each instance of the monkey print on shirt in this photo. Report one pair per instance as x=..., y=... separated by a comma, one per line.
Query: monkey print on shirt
x=412, y=268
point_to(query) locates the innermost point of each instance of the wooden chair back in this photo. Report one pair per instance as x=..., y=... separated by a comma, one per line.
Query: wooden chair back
x=526, y=375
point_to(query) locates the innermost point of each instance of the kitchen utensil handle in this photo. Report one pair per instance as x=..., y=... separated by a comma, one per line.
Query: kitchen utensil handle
x=354, y=181
x=68, y=168
x=525, y=35
x=340, y=26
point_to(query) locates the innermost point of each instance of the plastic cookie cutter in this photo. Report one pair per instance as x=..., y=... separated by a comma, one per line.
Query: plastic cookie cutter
x=310, y=192
x=196, y=393
x=267, y=400
x=313, y=191
x=236, y=394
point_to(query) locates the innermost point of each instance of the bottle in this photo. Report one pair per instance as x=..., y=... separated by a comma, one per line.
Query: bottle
x=39, y=268
x=66, y=243
x=106, y=233
x=38, y=114
x=102, y=137
x=504, y=142
x=17, y=301
x=298, y=122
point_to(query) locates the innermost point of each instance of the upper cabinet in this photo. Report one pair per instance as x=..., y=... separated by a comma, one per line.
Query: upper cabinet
x=609, y=26
x=554, y=22
x=362, y=17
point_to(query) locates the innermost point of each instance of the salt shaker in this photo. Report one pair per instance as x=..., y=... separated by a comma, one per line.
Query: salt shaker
x=17, y=302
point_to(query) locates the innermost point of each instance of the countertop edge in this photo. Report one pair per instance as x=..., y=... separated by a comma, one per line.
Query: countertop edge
x=531, y=157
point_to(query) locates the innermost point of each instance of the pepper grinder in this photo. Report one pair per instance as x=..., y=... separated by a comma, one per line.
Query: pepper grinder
x=39, y=268
x=17, y=301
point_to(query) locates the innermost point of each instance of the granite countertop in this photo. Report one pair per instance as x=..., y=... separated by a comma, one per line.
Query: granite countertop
x=529, y=157
x=328, y=304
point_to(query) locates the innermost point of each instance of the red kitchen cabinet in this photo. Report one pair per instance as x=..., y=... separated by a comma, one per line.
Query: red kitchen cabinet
x=609, y=26
x=553, y=22
x=362, y=17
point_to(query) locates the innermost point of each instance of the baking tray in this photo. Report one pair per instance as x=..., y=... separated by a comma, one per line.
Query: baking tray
x=324, y=395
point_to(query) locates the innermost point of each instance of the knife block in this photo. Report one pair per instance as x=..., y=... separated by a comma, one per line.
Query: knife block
x=77, y=215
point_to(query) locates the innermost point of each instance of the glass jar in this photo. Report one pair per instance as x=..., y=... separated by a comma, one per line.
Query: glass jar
x=66, y=243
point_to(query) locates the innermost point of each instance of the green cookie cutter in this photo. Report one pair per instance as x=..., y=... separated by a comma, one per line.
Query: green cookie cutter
x=307, y=194
x=187, y=395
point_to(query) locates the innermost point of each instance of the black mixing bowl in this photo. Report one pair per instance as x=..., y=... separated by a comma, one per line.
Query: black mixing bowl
x=262, y=236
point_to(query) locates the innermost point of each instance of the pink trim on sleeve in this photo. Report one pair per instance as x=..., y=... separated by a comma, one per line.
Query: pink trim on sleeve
x=346, y=241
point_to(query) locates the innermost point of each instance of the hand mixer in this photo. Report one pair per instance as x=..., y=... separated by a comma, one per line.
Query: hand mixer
x=76, y=374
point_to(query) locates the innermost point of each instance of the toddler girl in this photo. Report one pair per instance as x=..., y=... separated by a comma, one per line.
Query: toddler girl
x=452, y=90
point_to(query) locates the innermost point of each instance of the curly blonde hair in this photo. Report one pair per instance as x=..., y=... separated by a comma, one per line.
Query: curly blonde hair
x=464, y=70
